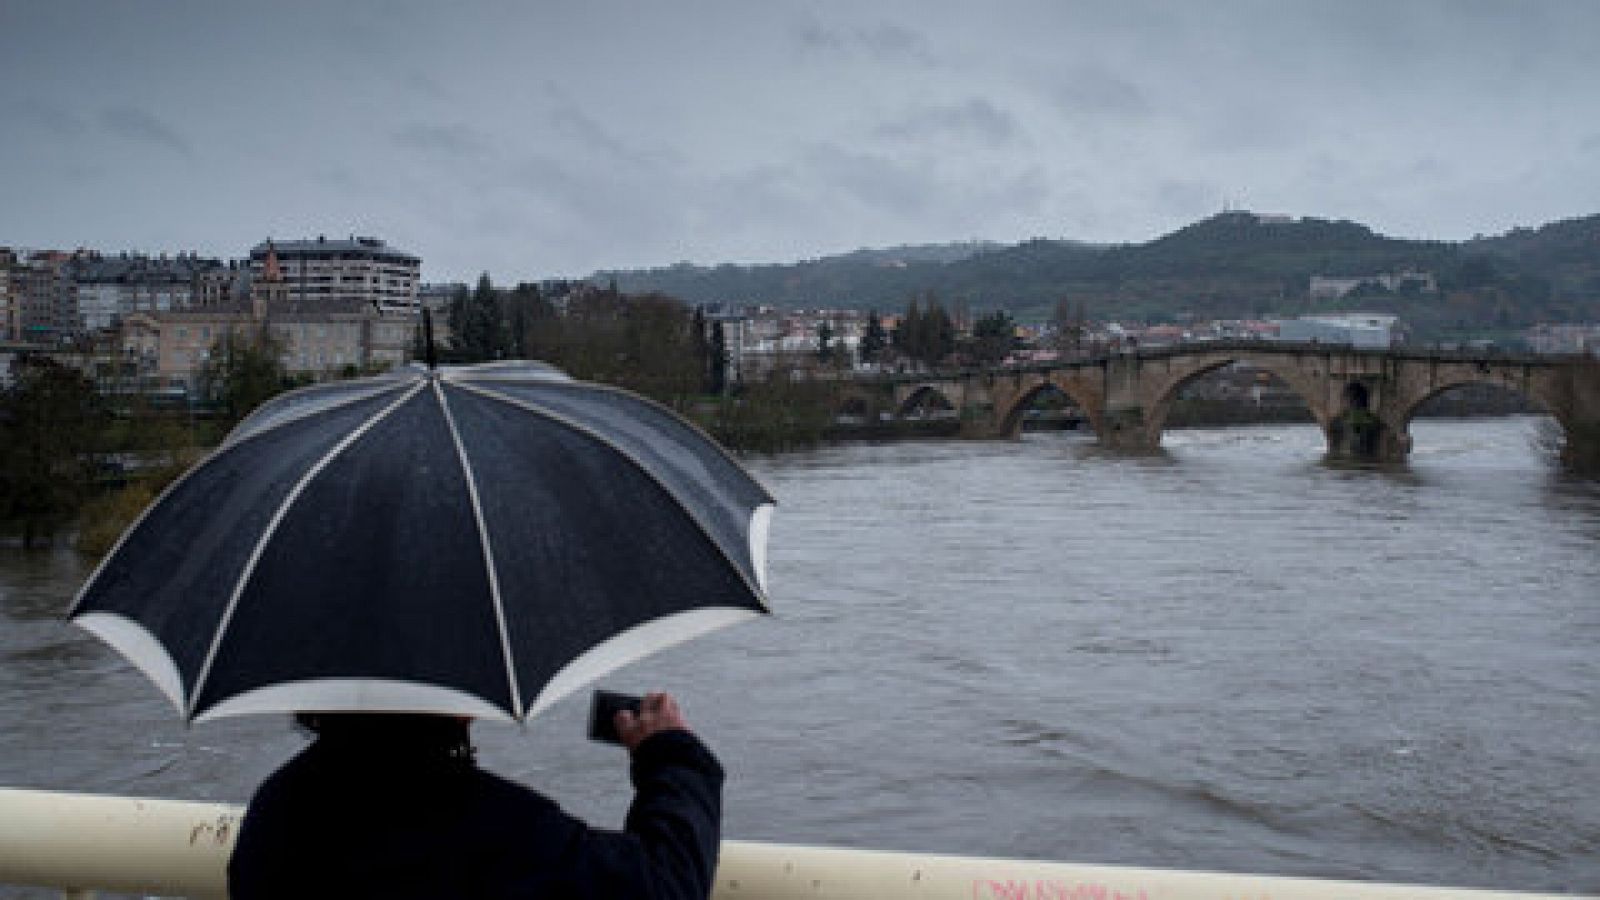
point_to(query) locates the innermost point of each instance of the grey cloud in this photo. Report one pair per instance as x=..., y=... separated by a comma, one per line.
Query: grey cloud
x=895, y=42
x=1186, y=197
x=48, y=118
x=874, y=181
x=975, y=118
x=884, y=42
x=417, y=82
x=1094, y=91
x=591, y=135
x=140, y=125
x=453, y=141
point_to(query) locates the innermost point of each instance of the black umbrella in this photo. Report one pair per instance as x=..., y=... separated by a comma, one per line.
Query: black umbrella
x=480, y=540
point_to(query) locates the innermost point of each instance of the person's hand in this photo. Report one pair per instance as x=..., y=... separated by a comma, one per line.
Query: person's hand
x=657, y=712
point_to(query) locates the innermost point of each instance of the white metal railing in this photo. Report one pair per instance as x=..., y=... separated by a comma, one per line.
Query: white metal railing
x=80, y=843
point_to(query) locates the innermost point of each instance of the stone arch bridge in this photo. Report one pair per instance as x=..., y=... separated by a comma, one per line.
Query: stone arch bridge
x=1362, y=399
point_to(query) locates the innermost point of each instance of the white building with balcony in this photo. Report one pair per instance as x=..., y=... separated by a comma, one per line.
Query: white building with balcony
x=348, y=274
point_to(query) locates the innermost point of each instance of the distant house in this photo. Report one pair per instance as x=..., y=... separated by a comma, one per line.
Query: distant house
x=1354, y=329
x=1564, y=339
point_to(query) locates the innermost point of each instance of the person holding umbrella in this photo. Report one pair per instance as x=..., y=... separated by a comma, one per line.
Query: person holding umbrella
x=394, y=807
x=394, y=557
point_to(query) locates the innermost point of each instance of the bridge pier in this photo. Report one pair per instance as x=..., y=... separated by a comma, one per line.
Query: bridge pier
x=1126, y=431
x=1360, y=435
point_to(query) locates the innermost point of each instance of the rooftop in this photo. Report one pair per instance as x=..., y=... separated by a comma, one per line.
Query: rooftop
x=321, y=246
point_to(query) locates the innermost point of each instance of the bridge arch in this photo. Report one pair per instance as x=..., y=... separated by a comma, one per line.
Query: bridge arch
x=860, y=404
x=1010, y=420
x=1304, y=385
x=925, y=397
x=1535, y=390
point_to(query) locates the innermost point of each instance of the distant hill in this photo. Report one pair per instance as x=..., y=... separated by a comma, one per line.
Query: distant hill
x=1234, y=264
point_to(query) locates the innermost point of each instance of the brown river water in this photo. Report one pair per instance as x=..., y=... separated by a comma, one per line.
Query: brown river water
x=1232, y=656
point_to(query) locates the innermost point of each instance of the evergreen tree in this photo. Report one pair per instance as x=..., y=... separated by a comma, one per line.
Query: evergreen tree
x=702, y=344
x=908, y=336
x=994, y=337
x=874, y=341
x=528, y=314
x=479, y=331
x=825, y=341
x=719, y=359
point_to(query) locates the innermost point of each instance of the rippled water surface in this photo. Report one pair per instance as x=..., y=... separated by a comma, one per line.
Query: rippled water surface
x=1231, y=656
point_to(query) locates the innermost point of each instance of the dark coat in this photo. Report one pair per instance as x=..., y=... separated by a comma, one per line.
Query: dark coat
x=402, y=816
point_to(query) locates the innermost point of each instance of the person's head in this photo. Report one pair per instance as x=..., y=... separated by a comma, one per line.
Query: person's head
x=393, y=733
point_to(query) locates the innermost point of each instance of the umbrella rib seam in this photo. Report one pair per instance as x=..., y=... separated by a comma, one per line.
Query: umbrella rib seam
x=193, y=470
x=488, y=549
x=700, y=525
x=260, y=411
x=271, y=530
x=667, y=410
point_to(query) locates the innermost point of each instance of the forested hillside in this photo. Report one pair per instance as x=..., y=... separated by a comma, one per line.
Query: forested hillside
x=1234, y=264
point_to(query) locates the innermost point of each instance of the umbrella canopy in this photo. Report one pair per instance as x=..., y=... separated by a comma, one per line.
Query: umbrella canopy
x=477, y=540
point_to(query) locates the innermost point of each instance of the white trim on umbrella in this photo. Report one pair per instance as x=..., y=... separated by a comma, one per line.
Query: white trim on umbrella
x=272, y=529
x=248, y=427
x=140, y=647
x=487, y=545
x=760, y=525
x=633, y=644
x=688, y=510
x=356, y=695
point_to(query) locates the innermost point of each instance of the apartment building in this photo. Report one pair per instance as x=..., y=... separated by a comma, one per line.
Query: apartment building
x=360, y=271
x=8, y=325
x=41, y=298
x=111, y=287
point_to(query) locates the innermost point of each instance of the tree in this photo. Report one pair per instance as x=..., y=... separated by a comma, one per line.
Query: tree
x=50, y=422
x=478, y=327
x=243, y=371
x=719, y=360
x=644, y=343
x=909, y=334
x=528, y=314
x=994, y=337
x=874, y=341
x=926, y=336
x=825, y=341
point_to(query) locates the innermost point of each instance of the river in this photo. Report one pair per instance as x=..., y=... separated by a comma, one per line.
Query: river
x=1232, y=656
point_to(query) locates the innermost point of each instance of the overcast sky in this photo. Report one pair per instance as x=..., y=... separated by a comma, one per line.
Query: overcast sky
x=537, y=139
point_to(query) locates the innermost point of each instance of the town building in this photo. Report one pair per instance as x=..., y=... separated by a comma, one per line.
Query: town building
x=315, y=337
x=42, y=299
x=1564, y=339
x=1354, y=329
x=8, y=324
x=111, y=287
x=348, y=274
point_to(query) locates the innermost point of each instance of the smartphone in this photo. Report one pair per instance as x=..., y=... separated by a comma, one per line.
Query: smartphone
x=603, y=711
